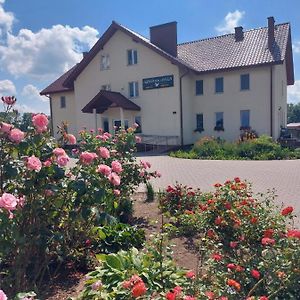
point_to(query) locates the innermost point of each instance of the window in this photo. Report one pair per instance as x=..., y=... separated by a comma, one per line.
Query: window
x=245, y=82
x=104, y=63
x=199, y=122
x=219, y=85
x=118, y=123
x=105, y=125
x=138, y=120
x=219, y=121
x=199, y=87
x=132, y=57
x=105, y=87
x=62, y=102
x=245, y=119
x=133, y=89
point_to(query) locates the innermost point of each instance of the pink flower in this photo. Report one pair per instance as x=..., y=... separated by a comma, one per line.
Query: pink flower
x=40, y=122
x=233, y=244
x=117, y=192
x=21, y=201
x=5, y=127
x=16, y=135
x=97, y=285
x=145, y=164
x=255, y=274
x=135, y=125
x=114, y=179
x=217, y=256
x=9, y=100
x=104, y=152
x=189, y=298
x=104, y=169
x=71, y=139
x=286, y=211
x=138, y=139
x=293, y=233
x=33, y=163
x=59, y=151
x=8, y=202
x=62, y=160
x=47, y=163
x=267, y=241
x=2, y=294
x=49, y=193
x=157, y=174
x=190, y=274
x=87, y=158
x=116, y=166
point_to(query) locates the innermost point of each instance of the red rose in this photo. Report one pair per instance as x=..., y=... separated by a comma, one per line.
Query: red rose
x=267, y=241
x=234, y=284
x=138, y=290
x=293, y=234
x=268, y=233
x=286, y=211
x=255, y=274
x=216, y=256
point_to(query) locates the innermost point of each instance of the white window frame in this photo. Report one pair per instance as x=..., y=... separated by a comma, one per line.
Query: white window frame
x=104, y=62
x=135, y=89
x=132, y=57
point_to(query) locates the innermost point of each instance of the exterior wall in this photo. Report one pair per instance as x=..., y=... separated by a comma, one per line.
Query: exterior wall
x=157, y=105
x=66, y=114
x=231, y=102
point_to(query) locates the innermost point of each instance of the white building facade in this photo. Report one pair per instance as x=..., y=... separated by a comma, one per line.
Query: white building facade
x=212, y=87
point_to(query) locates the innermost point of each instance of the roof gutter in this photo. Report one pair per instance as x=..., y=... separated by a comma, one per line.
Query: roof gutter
x=271, y=101
x=181, y=105
x=51, y=114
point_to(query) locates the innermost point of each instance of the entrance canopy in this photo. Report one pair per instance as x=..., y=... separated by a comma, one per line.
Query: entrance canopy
x=107, y=99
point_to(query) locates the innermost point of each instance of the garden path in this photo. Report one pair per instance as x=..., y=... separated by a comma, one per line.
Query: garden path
x=283, y=175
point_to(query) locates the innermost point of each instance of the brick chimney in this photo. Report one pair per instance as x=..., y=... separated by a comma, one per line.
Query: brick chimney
x=238, y=33
x=271, y=28
x=164, y=36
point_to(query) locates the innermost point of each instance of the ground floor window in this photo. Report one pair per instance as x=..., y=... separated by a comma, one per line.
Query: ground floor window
x=138, y=120
x=245, y=119
x=118, y=124
x=219, y=121
x=199, y=122
x=105, y=125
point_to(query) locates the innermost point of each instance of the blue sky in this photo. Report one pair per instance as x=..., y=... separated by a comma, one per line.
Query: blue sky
x=40, y=39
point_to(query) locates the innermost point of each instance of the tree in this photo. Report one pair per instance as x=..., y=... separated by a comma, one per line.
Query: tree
x=293, y=113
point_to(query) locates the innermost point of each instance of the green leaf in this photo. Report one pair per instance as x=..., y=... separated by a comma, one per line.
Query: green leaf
x=113, y=261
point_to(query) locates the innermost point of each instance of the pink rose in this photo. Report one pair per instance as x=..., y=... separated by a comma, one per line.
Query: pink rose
x=2, y=294
x=114, y=178
x=117, y=192
x=9, y=100
x=47, y=163
x=145, y=164
x=104, y=169
x=40, y=122
x=87, y=158
x=97, y=285
x=135, y=125
x=33, y=163
x=71, y=139
x=116, y=166
x=107, y=135
x=104, y=152
x=21, y=201
x=49, y=193
x=62, y=160
x=59, y=151
x=8, y=201
x=138, y=139
x=5, y=127
x=16, y=135
x=157, y=174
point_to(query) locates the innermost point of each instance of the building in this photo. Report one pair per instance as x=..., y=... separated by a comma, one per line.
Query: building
x=210, y=87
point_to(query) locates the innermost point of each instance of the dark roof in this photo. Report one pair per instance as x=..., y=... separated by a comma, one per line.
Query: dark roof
x=223, y=52
x=207, y=55
x=106, y=99
x=57, y=86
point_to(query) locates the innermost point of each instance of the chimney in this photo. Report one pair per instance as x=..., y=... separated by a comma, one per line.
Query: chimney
x=164, y=36
x=238, y=33
x=271, y=27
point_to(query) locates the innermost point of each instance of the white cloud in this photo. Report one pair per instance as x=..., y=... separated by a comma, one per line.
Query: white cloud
x=47, y=53
x=296, y=47
x=231, y=20
x=31, y=92
x=7, y=88
x=293, y=92
x=6, y=20
x=23, y=108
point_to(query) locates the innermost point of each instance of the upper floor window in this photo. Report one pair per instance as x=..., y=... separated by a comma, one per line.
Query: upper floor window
x=199, y=87
x=132, y=57
x=199, y=122
x=105, y=87
x=245, y=82
x=62, y=102
x=219, y=85
x=104, y=63
x=133, y=89
x=245, y=119
x=219, y=121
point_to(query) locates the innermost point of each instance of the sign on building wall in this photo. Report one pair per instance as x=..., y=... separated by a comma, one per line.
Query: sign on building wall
x=158, y=82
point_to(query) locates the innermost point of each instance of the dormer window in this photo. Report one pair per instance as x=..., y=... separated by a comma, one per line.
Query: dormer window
x=132, y=57
x=104, y=62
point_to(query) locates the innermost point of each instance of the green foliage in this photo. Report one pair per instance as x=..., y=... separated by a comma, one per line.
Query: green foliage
x=150, y=192
x=113, y=238
x=261, y=148
x=293, y=113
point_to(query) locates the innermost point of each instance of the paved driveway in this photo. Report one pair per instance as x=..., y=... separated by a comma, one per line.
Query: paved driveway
x=282, y=175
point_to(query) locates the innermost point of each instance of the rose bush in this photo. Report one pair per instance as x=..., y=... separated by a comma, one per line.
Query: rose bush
x=46, y=210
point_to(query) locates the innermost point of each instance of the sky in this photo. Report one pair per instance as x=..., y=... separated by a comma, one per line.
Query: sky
x=41, y=39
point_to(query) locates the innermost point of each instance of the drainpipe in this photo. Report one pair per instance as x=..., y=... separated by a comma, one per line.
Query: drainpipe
x=271, y=101
x=51, y=115
x=181, y=106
